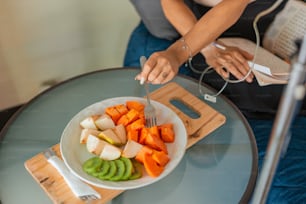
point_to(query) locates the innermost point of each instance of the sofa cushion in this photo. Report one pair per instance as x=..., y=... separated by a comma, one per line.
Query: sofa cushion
x=288, y=26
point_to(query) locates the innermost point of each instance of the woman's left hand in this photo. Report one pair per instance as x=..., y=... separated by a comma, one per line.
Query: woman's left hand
x=229, y=60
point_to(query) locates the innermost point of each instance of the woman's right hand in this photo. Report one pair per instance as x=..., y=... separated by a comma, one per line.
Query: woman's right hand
x=161, y=67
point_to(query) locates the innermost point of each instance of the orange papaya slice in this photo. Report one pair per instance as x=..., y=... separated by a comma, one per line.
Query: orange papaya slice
x=121, y=108
x=155, y=142
x=137, y=124
x=123, y=120
x=135, y=105
x=160, y=157
x=144, y=150
x=151, y=166
x=132, y=135
x=113, y=113
x=167, y=132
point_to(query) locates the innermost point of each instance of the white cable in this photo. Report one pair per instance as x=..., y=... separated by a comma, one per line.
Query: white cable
x=227, y=80
x=208, y=97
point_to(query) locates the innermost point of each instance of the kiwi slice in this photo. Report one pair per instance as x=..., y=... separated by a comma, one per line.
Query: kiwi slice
x=128, y=168
x=111, y=172
x=92, y=165
x=137, y=170
x=120, y=170
x=104, y=168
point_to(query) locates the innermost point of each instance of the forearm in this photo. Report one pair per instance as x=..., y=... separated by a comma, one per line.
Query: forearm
x=200, y=34
x=179, y=15
x=214, y=23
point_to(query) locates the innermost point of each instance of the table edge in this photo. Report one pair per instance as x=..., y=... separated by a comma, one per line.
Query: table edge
x=254, y=174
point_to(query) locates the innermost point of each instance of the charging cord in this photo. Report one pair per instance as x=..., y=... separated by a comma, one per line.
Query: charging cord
x=213, y=98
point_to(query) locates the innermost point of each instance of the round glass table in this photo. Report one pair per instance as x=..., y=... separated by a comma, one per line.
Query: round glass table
x=220, y=168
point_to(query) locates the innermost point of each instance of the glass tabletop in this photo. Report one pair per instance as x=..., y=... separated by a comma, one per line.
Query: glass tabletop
x=221, y=168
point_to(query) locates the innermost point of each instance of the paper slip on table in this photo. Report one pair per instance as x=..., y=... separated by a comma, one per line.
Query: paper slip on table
x=209, y=120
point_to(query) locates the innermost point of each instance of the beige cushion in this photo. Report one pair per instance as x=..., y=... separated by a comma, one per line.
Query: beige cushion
x=288, y=26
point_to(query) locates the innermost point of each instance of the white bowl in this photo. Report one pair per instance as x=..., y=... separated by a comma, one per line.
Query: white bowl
x=75, y=154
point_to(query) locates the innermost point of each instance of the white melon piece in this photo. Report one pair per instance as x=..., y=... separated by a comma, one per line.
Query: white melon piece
x=131, y=149
x=86, y=132
x=89, y=123
x=121, y=133
x=110, y=152
x=110, y=136
x=104, y=122
x=95, y=145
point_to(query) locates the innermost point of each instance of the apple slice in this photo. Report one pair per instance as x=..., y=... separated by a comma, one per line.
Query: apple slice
x=131, y=149
x=104, y=122
x=86, y=132
x=110, y=152
x=120, y=132
x=110, y=136
x=95, y=145
x=89, y=122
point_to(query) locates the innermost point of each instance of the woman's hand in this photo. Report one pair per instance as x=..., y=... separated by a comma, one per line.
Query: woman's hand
x=161, y=67
x=229, y=60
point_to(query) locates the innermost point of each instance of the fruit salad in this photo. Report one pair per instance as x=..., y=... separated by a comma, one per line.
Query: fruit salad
x=122, y=146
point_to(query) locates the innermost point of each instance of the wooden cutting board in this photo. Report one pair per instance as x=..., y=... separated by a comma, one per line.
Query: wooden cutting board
x=207, y=117
x=209, y=120
x=54, y=184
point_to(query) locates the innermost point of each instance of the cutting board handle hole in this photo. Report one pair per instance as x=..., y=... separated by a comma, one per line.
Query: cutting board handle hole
x=185, y=108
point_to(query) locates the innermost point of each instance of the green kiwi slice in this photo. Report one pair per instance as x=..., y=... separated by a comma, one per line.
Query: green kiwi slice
x=92, y=165
x=111, y=172
x=104, y=168
x=137, y=170
x=120, y=170
x=128, y=168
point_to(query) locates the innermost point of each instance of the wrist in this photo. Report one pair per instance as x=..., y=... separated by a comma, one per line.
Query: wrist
x=182, y=51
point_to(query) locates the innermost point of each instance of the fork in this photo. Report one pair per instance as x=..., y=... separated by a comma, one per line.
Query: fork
x=149, y=110
x=88, y=197
x=78, y=187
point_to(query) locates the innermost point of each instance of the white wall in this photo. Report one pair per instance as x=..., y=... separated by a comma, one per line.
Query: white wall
x=55, y=40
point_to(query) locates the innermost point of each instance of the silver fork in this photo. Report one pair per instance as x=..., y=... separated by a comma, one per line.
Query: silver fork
x=78, y=187
x=149, y=111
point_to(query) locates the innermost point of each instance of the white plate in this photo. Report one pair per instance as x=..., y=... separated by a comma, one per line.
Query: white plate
x=74, y=154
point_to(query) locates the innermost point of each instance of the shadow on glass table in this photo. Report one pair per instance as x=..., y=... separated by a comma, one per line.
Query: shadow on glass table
x=6, y=114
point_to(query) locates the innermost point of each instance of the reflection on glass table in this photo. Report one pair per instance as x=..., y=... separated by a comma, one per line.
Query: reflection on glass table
x=221, y=168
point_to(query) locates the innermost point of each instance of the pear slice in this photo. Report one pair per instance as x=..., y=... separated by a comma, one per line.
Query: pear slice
x=110, y=152
x=89, y=122
x=131, y=149
x=86, y=132
x=104, y=122
x=95, y=145
x=110, y=136
x=120, y=132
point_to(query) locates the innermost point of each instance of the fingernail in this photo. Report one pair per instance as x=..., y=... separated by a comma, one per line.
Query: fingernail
x=142, y=80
